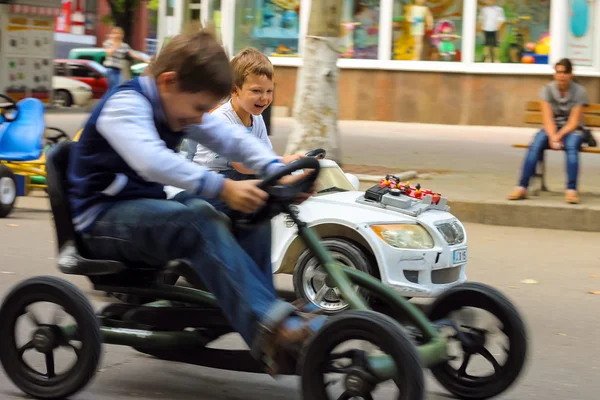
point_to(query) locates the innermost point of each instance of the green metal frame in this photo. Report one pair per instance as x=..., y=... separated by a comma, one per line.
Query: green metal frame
x=432, y=352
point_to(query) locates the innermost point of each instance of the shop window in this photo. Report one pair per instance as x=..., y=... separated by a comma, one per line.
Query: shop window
x=272, y=26
x=360, y=29
x=428, y=30
x=513, y=31
x=581, y=31
x=214, y=15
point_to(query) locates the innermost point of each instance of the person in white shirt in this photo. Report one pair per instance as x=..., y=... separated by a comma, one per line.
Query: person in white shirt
x=252, y=94
x=491, y=20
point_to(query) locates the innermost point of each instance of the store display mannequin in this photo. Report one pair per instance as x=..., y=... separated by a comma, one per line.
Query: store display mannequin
x=491, y=19
x=420, y=18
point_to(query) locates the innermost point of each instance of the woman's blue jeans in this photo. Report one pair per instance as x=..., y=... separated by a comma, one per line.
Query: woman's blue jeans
x=114, y=77
x=572, y=144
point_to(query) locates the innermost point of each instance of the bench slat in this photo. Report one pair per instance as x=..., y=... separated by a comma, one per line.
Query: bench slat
x=592, y=121
x=594, y=150
x=537, y=106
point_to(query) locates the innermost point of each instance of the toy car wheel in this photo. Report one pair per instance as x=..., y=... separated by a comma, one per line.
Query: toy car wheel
x=327, y=355
x=474, y=341
x=8, y=191
x=38, y=362
x=311, y=281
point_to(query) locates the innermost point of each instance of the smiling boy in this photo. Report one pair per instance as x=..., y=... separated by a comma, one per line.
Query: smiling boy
x=251, y=95
x=125, y=157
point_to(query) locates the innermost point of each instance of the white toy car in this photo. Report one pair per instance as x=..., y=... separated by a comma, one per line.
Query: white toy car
x=419, y=249
x=416, y=247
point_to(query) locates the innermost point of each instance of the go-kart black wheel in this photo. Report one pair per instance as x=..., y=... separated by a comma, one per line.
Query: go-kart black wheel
x=9, y=108
x=473, y=341
x=55, y=138
x=82, y=340
x=319, y=359
x=8, y=190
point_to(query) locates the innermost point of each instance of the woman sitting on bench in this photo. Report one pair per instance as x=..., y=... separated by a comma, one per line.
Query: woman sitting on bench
x=562, y=111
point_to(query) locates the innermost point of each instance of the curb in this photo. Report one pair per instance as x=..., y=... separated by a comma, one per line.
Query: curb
x=567, y=217
x=403, y=176
x=516, y=214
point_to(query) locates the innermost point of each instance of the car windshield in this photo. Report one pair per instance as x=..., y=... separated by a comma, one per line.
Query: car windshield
x=332, y=179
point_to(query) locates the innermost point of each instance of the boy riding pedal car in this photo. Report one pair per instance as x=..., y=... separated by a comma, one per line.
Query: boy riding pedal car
x=124, y=158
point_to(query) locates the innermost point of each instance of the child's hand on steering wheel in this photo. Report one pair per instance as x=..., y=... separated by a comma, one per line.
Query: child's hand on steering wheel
x=291, y=179
x=243, y=196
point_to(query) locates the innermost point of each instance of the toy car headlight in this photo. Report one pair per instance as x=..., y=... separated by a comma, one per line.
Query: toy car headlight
x=404, y=236
x=452, y=232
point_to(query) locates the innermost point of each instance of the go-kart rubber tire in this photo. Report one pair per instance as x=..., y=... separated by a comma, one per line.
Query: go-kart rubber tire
x=377, y=328
x=487, y=298
x=7, y=207
x=342, y=246
x=67, y=295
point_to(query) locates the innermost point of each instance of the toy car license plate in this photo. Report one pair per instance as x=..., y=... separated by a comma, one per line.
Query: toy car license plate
x=459, y=256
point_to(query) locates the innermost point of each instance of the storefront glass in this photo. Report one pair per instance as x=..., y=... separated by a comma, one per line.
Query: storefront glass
x=213, y=17
x=428, y=30
x=513, y=31
x=582, y=34
x=272, y=26
x=360, y=29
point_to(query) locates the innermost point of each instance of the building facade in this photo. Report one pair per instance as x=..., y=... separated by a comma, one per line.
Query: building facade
x=473, y=62
x=80, y=24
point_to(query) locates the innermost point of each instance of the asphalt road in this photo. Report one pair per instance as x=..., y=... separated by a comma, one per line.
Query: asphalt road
x=560, y=312
x=561, y=315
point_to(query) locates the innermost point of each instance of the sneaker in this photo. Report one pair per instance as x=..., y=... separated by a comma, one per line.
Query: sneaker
x=307, y=307
x=284, y=345
x=518, y=194
x=571, y=197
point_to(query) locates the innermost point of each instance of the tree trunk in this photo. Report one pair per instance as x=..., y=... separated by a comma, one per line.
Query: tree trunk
x=315, y=109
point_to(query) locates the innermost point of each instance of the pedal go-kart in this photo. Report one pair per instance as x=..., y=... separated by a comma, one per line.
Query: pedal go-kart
x=177, y=323
x=23, y=143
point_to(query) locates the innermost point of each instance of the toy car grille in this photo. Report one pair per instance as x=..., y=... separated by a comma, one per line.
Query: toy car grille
x=452, y=232
x=412, y=276
x=446, y=275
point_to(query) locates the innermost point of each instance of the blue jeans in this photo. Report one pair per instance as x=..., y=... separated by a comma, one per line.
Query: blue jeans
x=572, y=144
x=114, y=77
x=153, y=232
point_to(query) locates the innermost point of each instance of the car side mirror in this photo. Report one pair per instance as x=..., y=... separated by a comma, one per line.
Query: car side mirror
x=353, y=180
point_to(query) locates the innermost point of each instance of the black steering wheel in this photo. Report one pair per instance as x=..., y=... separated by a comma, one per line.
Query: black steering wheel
x=10, y=110
x=281, y=196
x=56, y=138
x=319, y=153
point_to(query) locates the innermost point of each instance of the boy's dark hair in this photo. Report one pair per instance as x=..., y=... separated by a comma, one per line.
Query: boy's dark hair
x=199, y=60
x=565, y=62
x=250, y=61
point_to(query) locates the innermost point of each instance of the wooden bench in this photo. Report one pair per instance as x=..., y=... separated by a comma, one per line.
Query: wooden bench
x=533, y=116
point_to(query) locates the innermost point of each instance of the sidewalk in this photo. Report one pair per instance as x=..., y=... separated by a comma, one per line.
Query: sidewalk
x=474, y=167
